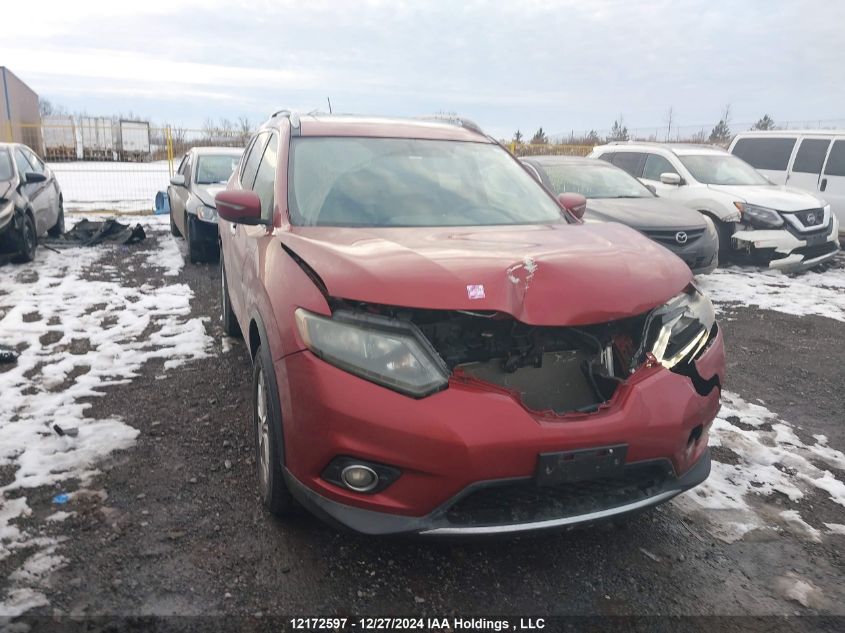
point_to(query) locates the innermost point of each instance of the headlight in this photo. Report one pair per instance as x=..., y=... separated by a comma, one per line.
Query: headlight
x=385, y=351
x=760, y=217
x=207, y=214
x=680, y=328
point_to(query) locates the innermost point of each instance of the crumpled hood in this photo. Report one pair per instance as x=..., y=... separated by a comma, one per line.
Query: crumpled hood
x=775, y=197
x=644, y=213
x=539, y=274
x=206, y=193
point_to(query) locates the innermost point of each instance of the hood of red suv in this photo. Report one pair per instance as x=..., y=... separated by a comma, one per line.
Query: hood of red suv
x=539, y=274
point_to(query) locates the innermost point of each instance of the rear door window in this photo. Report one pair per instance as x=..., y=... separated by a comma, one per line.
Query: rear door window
x=656, y=165
x=765, y=153
x=836, y=160
x=632, y=162
x=810, y=156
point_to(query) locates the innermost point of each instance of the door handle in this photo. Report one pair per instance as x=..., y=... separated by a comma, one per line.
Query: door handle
x=233, y=228
x=823, y=184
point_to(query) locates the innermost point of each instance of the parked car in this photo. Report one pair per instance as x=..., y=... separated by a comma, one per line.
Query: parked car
x=785, y=229
x=30, y=201
x=202, y=172
x=615, y=196
x=812, y=160
x=440, y=348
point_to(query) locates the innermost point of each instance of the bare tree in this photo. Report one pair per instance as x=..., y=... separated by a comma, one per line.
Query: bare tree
x=670, y=116
x=244, y=129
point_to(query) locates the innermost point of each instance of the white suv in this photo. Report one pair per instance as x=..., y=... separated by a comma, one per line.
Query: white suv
x=788, y=229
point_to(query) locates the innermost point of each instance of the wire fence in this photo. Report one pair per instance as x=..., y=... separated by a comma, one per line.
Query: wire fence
x=110, y=164
x=114, y=165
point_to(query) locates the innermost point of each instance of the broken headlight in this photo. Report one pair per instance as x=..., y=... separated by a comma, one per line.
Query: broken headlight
x=385, y=351
x=759, y=217
x=680, y=328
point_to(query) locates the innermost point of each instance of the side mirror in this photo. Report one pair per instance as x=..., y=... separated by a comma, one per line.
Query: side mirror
x=178, y=180
x=241, y=207
x=575, y=203
x=670, y=178
x=31, y=177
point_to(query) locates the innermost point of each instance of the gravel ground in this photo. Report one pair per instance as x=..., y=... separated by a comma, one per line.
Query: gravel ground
x=174, y=526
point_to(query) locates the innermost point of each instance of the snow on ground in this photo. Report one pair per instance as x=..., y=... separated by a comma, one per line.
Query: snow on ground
x=89, y=185
x=821, y=294
x=770, y=458
x=78, y=329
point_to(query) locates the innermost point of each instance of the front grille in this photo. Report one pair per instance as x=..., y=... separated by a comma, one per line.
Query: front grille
x=810, y=217
x=669, y=237
x=525, y=502
x=811, y=252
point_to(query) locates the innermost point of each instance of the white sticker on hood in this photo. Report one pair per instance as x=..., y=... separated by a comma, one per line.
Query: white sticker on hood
x=475, y=291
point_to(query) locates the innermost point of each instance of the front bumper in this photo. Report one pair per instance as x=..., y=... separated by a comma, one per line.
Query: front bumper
x=784, y=251
x=465, y=440
x=205, y=231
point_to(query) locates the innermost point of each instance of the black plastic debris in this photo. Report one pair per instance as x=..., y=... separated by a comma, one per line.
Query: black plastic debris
x=62, y=432
x=88, y=233
x=8, y=355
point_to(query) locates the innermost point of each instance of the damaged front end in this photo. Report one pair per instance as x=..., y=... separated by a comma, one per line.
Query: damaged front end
x=553, y=370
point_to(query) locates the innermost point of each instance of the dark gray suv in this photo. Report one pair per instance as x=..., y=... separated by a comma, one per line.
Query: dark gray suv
x=615, y=196
x=30, y=201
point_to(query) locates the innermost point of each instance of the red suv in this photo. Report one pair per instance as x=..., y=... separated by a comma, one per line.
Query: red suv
x=442, y=347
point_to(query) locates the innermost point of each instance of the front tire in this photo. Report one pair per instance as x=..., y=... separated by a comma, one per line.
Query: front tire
x=27, y=240
x=725, y=231
x=230, y=323
x=267, y=423
x=58, y=228
x=174, y=230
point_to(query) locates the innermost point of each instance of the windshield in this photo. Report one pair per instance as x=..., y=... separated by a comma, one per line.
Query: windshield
x=722, y=169
x=595, y=181
x=383, y=182
x=216, y=169
x=5, y=166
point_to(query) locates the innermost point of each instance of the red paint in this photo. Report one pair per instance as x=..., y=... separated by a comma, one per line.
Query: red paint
x=575, y=203
x=239, y=206
x=558, y=274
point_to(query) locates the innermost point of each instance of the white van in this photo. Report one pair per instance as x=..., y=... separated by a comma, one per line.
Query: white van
x=813, y=160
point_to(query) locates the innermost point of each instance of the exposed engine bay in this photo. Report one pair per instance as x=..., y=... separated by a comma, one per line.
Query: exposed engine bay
x=559, y=369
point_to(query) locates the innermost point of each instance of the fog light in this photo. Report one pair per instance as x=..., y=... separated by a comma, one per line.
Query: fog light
x=359, y=478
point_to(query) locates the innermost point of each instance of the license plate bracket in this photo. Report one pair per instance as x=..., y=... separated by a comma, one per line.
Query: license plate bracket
x=815, y=240
x=580, y=465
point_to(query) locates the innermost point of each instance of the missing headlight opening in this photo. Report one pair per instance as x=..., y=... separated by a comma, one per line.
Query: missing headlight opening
x=549, y=368
x=562, y=369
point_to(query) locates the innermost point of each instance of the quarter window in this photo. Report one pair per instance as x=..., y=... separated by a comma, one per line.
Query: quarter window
x=23, y=164
x=36, y=162
x=656, y=165
x=765, y=153
x=265, y=178
x=250, y=165
x=836, y=160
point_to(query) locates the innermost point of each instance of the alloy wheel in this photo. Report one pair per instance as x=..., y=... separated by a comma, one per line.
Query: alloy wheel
x=263, y=430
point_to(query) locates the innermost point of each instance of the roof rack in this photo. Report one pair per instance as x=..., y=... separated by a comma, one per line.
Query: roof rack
x=453, y=120
x=290, y=114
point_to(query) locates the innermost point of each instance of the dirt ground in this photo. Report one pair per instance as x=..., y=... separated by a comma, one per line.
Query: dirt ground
x=178, y=527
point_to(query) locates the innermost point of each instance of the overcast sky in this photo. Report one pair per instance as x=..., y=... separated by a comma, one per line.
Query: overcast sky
x=563, y=65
